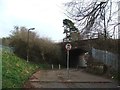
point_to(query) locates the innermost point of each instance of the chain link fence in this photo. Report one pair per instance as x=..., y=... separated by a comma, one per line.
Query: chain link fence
x=7, y=49
x=106, y=57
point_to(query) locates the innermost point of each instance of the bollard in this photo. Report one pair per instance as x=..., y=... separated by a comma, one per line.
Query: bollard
x=59, y=67
x=52, y=66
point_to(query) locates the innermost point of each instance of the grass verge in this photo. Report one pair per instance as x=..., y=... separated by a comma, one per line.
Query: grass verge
x=15, y=71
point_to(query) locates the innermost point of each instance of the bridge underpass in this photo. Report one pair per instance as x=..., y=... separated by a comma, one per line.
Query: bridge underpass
x=56, y=78
x=74, y=56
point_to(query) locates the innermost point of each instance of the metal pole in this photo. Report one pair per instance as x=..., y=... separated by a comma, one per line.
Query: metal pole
x=28, y=47
x=52, y=66
x=28, y=44
x=59, y=67
x=68, y=63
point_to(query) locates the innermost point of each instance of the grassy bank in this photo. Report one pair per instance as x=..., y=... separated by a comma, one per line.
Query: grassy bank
x=15, y=71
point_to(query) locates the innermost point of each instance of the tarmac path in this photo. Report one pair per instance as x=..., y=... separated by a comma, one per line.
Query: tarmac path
x=60, y=79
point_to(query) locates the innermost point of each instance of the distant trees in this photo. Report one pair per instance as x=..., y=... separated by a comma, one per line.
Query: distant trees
x=41, y=50
x=5, y=41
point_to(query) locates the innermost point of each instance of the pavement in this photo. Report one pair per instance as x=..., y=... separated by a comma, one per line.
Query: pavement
x=61, y=79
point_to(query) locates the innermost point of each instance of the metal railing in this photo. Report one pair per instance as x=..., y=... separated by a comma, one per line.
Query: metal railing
x=6, y=48
x=106, y=57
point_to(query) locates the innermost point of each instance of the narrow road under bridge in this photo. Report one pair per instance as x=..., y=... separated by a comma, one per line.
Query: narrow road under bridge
x=74, y=56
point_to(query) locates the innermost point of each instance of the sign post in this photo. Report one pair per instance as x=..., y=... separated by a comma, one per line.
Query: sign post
x=68, y=47
x=68, y=64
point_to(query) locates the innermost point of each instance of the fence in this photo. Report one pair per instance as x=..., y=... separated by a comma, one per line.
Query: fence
x=6, y=48
x=106, y=57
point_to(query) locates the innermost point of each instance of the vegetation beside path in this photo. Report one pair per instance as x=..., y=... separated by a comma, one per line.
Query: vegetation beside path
x=15, y=71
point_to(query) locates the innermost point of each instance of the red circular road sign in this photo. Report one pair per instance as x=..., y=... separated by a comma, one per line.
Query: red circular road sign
x=68, y=46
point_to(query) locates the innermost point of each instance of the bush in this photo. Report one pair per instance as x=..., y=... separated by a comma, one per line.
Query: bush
x=97, y=68
x=41, y=50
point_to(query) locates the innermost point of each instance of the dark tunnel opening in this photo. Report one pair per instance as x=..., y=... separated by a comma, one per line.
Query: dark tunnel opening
x=74, y=57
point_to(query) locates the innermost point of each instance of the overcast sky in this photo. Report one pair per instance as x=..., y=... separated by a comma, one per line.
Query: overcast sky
x=45, y=16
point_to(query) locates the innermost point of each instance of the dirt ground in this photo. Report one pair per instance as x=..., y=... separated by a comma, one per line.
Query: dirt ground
x=61, y=79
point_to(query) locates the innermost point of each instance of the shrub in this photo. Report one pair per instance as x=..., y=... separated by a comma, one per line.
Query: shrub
x=41, y=49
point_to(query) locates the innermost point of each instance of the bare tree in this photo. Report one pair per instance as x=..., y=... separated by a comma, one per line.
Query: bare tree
x=92, y=18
